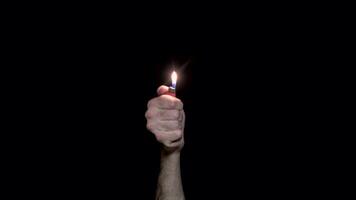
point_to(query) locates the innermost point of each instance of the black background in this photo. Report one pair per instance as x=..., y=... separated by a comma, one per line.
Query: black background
x=83, y=94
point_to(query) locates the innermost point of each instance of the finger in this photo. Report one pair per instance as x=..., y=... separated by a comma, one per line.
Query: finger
x=168, y=114
x=163, y=114
x=166, y=102
x=152, y=112
x=168, y=125
x=168, y=136
x=162, y=90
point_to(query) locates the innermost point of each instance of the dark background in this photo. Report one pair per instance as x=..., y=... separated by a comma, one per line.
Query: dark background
x=85, y=127
x=81, y=94
x=80, y=107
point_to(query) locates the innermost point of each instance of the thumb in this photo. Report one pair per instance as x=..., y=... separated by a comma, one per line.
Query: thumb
x=162, y=90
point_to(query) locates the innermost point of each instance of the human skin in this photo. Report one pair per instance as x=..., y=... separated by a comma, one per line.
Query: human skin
x=165, y=119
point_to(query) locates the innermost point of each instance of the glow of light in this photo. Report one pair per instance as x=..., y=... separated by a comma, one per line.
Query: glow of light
x=174, y=78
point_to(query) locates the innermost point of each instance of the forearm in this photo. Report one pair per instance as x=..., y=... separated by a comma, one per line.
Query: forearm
x=169, y=180
x=165, y=119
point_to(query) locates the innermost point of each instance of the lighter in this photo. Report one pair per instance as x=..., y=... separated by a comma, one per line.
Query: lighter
x=172, y=88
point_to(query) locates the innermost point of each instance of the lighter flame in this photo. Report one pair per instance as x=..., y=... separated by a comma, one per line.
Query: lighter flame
x=174, y=78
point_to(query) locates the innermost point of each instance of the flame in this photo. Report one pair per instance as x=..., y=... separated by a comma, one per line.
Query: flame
x=174, y=78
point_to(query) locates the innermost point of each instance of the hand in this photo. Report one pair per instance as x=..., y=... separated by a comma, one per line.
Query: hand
x=165, y=119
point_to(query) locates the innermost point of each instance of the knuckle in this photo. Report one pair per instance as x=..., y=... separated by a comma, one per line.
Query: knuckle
x=148, y=114
x=149, y=103
x=150, y=126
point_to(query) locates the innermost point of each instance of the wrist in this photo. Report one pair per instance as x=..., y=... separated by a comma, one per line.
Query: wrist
x=174, y=148
x=167, y=153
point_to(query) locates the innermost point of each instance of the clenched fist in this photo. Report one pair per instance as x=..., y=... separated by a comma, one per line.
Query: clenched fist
x=165, y=119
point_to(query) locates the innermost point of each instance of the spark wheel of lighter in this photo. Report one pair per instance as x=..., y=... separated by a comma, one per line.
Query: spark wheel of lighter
x=171, y=91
